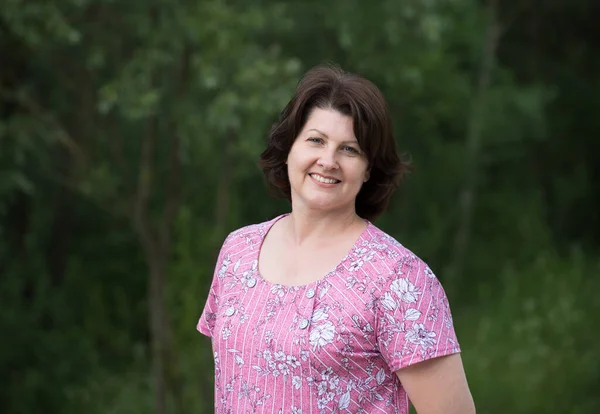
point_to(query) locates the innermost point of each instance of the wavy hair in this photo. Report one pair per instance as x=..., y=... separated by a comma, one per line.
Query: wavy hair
x=329, y=87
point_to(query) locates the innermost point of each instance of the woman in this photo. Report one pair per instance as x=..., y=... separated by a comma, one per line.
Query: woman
x=318, y=310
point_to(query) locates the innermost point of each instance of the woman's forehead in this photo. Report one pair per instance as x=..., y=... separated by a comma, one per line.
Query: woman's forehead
x=330, y=124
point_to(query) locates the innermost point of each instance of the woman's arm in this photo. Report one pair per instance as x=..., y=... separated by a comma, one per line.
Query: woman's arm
x=438, y=386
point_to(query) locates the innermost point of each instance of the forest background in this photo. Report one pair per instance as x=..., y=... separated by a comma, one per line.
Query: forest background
x=129, y=138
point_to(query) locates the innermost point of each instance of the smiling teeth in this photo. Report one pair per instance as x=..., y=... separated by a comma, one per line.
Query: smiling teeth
x=323, y=179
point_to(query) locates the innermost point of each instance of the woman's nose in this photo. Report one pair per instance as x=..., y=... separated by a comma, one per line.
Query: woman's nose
x=328, y=160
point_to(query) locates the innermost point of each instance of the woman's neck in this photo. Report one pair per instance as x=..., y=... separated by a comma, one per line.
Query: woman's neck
x=309, y=227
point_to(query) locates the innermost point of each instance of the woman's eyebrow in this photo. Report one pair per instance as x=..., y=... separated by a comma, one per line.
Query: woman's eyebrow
x=316, y=130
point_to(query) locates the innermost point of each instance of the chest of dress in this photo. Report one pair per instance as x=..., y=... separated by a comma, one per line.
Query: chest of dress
x=327, y=324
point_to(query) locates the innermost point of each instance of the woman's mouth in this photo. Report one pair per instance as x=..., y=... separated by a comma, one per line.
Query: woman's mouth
x=324, y=180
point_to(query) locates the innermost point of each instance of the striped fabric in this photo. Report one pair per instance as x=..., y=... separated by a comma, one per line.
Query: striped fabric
x=333, y=345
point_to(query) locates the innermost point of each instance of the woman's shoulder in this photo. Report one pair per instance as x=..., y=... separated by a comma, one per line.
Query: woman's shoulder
x=251, y=234
x=380, y=240
x=392, y=254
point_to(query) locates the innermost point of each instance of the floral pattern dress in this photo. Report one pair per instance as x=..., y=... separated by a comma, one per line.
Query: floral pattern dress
x=331, y=346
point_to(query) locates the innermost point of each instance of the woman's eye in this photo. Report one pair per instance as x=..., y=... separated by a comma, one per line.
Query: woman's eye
x=315, y=140
x=350, y=149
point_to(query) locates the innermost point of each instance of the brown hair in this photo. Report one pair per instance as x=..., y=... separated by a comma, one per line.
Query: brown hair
x=326, y=87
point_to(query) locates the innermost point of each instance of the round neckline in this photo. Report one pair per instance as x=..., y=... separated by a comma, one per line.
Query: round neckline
x=269, y=225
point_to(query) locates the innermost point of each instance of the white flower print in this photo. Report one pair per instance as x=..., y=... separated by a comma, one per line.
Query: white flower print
x=261, y=371
x=324, y=288
x=238, y=360
x=278, y=290
x=322, y=335
x=380, y=299
x=321, y=403
x=355, y=265
x=418, y=335
x=319, y=315
x=296, y=382
x=360, y=251
x=344, y=401
x=350, y=282
x=225, y=333
x=269, y=335
x=322, y=387
x=325, y=399
x=292, y=361
x=448, y=320
x=380, y=377
x=246, y=276
x=388, y=302
x=224, y=266
x=429, y=272
x=361, y=287
x=412, y=314
x=325, y=375
x=433, y=315
x=284, y=369
x=380, y=246
x=277, y=363
x=392, y=254
x=334, y=382
x=356, y=320
x=405, y=290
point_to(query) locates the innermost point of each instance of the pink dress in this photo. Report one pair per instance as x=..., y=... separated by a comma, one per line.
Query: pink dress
x=333, y=345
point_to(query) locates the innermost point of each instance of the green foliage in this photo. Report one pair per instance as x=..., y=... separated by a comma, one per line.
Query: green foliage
x=86, y=85
x=533, y=337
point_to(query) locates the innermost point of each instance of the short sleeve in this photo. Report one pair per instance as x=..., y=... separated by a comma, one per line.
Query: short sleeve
x=414, y=322
x=206, y=323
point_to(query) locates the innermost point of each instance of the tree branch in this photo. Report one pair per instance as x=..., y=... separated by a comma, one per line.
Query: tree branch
x=174, y=183
x=140, y=208
x=474, y=137
x=31, y=105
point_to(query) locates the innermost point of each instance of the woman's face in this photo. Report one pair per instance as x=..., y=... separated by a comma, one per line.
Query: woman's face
x=326, y=166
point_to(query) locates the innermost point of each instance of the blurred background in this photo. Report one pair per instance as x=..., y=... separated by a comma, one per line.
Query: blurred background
x=129, y=138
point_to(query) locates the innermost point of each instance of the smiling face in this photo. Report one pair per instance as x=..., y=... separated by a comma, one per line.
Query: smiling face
x=326, y=166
